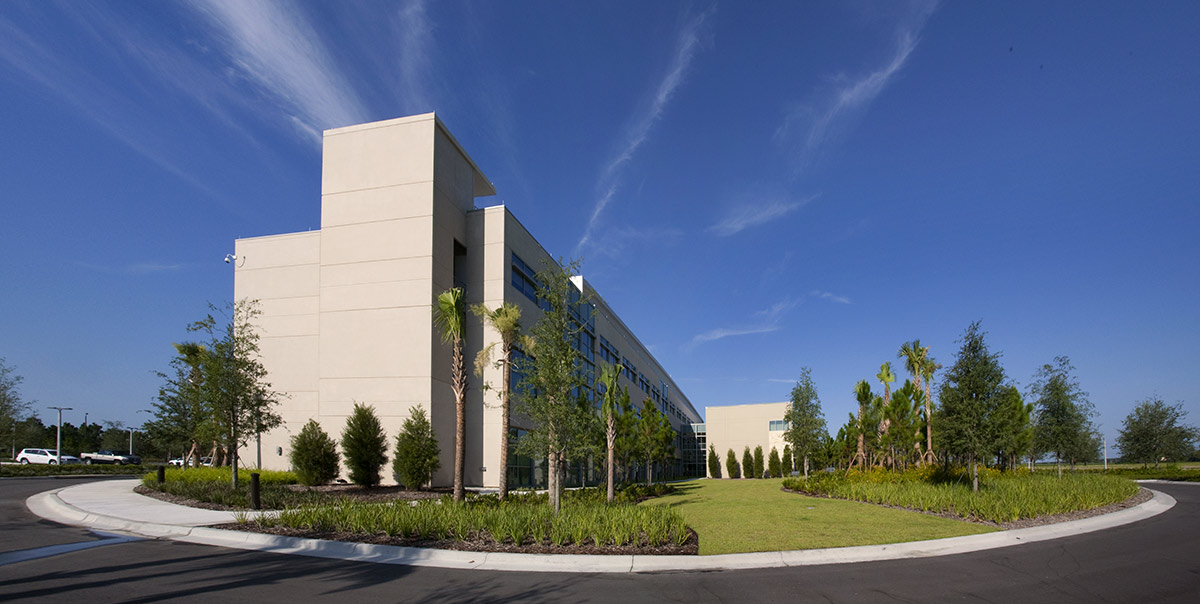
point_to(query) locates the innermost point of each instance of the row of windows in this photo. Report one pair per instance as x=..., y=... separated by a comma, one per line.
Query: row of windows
x=583, y=318
x=778, y=425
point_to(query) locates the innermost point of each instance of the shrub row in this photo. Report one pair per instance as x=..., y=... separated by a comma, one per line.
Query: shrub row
x=69, y=470
x=1001, y=497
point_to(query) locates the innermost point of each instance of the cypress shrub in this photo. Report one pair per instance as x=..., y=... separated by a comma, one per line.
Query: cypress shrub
x=714, y=463
x=416, y=451
x=787, y=461
x=747, y=464
x=759, y=468
x=731, y=465
x=774, y=466
x=365, y=446
x=315, y=458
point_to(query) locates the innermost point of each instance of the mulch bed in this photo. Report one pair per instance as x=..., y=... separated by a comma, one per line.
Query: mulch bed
x=349, y=491
x=479, y=543
x=1143, y=495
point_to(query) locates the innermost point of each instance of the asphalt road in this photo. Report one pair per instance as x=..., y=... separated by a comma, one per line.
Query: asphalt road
x=1154, y=560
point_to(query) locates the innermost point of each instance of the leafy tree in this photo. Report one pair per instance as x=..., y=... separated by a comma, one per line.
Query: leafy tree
x=714, y=463
x=971, y=395
x=1063, y=412
x=13, y=408
x=731, y=465
x=416, y=451
x=450, y=317
x=1154, y=431
x=747, y=463
x=774, y=465
x=506, y=320
x=1014, y=429
x=180, y=412
x=315, y=458
x=610, y=407
x=759, y=462
x=656, y=438
x=234, y=385
x=364, y=445
x=560, y=419
x=787, y=461
x=806, y=422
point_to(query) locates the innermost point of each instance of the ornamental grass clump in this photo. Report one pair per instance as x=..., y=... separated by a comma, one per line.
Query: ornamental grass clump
x=510, y=522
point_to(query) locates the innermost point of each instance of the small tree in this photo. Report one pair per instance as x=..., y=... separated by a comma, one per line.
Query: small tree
x=971, y=397
x=806, y=422
x=1155, y=431
x=450, y=318
x=747, y=463
x=416, y=451
x=774, y=466
x=714, y=463
x=759, y=462
x=315, y=458
x=1063, y=413
x=364, y=444
x=731, y=465
x=506, y=320
x=610, y=407
x=787, y=461
x=13, y=409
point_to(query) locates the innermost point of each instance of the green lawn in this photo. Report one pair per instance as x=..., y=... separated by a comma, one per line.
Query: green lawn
x=733, y=516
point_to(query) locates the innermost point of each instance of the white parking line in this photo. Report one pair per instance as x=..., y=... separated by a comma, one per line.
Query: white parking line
x=7, y=558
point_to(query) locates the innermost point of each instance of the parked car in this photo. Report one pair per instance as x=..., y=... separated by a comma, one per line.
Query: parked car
x=179, y=462
x=44, y=456
x=106, y=456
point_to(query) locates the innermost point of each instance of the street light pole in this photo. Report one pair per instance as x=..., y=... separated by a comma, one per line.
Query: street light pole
x=58, y=442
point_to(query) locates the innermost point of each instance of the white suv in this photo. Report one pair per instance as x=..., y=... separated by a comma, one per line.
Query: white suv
x=44, y=456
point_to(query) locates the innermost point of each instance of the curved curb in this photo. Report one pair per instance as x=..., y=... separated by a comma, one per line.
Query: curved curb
x=50, y=506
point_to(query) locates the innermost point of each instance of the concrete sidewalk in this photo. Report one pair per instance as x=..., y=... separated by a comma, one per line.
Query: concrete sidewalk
x=112, y=505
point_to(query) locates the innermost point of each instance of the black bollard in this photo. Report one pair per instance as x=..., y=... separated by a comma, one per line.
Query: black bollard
x=162, y=474
x=255, y=502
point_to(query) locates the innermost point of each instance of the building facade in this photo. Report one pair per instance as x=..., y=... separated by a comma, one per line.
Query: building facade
x=735, y=427
x=347, y=309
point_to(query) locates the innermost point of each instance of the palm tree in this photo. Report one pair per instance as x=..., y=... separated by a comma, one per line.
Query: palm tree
x=914, y=356
x=450, y=318
x=193, y=355
x=862, y=391
x=608, y=378
x=506, y=320
x=886, y=376
x=928, y=368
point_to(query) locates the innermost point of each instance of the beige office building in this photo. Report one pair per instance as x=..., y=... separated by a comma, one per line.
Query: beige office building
x=347, y=309
x=735, y=427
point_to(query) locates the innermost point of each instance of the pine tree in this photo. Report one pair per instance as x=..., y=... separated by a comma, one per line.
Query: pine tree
x=714, y=463
x=774, y=466
x=364, y=445
x=759, y=464
x=972, y=393
x=416, y=451
x=747, y=463
x=788, y=466
x=731, y=465
x=314, y=456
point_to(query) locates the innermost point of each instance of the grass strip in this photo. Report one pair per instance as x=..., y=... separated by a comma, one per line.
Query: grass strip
x=735, y=516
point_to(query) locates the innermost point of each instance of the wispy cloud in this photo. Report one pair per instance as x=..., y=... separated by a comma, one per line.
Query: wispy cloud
x=276, y=50
x=764, y=321
x=415, y=63
x=751, y=215
x=135, y=269
x=830, y=297
x=687, y=43
x=819, y=120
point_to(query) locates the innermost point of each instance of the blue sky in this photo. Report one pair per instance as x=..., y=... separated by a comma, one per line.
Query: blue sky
x=754, y=187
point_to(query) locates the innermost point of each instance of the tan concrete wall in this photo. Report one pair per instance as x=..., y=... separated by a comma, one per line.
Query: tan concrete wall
x=283, y=274
x=739, y=426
